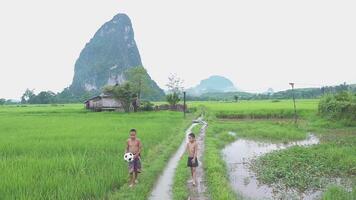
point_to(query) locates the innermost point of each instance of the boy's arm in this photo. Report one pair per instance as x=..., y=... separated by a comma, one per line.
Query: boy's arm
x=139, y=148
x=196, y=151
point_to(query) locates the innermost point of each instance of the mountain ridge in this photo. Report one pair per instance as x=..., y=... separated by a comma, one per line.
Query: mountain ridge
x=214, y=83
x=106, y=57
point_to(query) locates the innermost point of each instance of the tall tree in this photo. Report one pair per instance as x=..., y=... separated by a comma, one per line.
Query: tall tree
x=2, y=101
x=138, y=78
x=27, y=96
x=175, y=84
x=124, y=93
x=44, y=97
x=175, y=89
x=236, y=98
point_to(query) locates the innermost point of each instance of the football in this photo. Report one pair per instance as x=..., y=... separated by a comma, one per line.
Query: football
x=128, y=157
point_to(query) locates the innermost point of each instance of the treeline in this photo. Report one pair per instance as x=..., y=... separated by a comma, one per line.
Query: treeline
x=49, y=97
x=7, y=102
x=66, y=96
x=302, y=93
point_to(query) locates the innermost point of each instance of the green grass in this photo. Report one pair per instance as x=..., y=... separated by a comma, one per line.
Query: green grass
x=181, y=176
x=258, y=109
x=310, y=168
x=267, y=130
x=339, y=193
x=66, y=152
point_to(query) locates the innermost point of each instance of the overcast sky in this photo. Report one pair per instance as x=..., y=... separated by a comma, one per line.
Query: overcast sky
x=256, y=44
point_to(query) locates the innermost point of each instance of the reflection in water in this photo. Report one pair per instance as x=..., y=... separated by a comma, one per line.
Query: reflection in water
x=239, y=153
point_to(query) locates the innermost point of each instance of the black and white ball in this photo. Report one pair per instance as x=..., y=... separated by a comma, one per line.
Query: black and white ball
x=129, y=157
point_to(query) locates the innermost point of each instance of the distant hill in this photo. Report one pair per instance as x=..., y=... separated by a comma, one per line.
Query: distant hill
x=300, y=93
x=213, y=84
x=106, y=57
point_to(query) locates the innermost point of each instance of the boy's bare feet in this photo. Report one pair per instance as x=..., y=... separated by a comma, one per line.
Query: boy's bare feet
x=194, y=183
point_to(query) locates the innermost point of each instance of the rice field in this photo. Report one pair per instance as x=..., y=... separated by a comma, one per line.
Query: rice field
x=258, y=109
x=66, y=152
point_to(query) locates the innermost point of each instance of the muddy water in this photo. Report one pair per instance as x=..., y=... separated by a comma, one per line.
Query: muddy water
x=239, y=153
x=162, y=189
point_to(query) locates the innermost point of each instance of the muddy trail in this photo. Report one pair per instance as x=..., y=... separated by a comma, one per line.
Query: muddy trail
x=238, y=156
x=199, y=192
x=163, y=187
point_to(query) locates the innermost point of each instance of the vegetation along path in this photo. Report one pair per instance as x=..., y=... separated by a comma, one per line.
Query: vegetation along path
x=162, y=189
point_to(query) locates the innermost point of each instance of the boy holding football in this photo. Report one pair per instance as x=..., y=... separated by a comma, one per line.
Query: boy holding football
x=192, y=149
x=134, y=146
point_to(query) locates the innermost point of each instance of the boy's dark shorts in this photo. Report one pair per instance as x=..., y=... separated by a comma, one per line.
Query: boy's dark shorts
x=191, y=164
x=135, y=165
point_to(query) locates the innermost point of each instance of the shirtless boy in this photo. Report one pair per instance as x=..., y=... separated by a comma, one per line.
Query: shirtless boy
x=134, y=146
x=192, y=149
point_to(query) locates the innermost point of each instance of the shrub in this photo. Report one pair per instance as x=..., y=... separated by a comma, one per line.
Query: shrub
x=341, y=106
x=146, y=106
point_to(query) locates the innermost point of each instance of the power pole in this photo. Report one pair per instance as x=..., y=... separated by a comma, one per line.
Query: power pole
x=184, y=106
x=295, y=108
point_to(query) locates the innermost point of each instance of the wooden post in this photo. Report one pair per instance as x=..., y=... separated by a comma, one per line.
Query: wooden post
x=184, y=105
x=295, y=108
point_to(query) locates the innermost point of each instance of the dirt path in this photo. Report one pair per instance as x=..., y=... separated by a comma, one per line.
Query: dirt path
x=198, y=192
x=163, y=187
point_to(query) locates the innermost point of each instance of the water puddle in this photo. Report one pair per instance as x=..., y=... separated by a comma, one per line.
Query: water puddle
x=237, y=156
x=162, y=189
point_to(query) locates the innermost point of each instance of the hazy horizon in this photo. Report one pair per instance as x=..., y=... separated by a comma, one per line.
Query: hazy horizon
x=256, y=44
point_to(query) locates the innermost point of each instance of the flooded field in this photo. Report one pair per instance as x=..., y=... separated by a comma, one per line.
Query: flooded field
x=238, y=156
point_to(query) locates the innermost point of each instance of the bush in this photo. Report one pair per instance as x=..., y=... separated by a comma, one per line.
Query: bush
x=146, y=106
x=341, y=106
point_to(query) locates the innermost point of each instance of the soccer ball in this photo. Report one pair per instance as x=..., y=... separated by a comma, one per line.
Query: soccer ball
x=128, y=157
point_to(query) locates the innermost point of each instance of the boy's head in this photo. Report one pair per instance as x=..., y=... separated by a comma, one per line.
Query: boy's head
x=191, y=137
x=133, y=133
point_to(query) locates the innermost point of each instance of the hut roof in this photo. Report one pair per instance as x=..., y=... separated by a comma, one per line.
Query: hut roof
x=98, y=97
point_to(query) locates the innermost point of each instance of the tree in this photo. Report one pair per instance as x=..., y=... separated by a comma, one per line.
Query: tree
x=2, y=101
x=44, y=97
x=27, y=96
x=138, y=78
x=175, y=89
x=175, y=84
x=173, y=99
x=342, y=87
x=236, y=98
x=124, y=93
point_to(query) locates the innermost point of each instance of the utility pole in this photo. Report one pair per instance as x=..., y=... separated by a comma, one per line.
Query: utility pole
x=184, y=106
x=295, y=108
